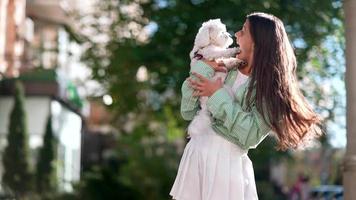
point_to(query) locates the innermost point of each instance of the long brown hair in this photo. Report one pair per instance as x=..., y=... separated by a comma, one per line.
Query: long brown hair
x=278, y=97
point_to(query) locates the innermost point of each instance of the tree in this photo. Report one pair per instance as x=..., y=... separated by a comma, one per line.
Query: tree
x=158, y=35
x=46, y=180
x=17, y=176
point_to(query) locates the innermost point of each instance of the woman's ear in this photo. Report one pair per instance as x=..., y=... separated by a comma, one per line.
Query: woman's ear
x=202, y=39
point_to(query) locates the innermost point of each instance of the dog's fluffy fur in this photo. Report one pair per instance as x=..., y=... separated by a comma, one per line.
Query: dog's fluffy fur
x=211, y=42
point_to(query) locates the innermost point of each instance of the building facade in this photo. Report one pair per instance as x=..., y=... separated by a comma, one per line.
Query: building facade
x=36, y=47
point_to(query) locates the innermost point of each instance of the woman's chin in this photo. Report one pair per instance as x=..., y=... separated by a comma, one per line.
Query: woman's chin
x=239, y=56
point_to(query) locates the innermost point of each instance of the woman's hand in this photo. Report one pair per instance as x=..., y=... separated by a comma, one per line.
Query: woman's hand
x=217, y=66
x=204, y=86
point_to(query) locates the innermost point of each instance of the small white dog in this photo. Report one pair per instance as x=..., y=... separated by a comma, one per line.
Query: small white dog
x=211, y=43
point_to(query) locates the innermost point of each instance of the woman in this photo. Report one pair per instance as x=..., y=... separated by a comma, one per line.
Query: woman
x=265, y=98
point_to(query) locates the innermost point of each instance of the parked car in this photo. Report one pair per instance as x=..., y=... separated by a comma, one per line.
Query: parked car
x=327, y=192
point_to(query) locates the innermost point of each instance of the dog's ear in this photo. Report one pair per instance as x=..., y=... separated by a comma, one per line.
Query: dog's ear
x=203, y=37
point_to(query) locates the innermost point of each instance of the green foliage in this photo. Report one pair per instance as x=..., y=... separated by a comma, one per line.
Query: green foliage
x=17, y=177
x=165, y=52
x=174, y=132
x=151, y=163
x=143, y=166
x=103, y=183
x=266, y=191
x=261, y=158
x=46, y=180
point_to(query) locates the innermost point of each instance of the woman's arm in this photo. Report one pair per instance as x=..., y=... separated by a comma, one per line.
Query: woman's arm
x=244, y=128
x=247, y=129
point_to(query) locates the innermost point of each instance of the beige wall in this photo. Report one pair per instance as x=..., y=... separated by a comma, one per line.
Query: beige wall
x=12, y=19
x=3, y=13
x=37, y=110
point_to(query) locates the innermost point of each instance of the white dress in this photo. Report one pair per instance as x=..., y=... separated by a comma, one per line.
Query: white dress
x=213, y=168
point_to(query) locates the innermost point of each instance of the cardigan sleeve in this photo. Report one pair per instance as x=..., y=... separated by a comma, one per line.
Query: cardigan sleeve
x=246, y=129
x=189, y=103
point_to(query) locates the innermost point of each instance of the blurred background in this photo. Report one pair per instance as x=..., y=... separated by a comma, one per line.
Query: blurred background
x=90, y=96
